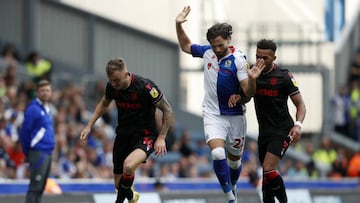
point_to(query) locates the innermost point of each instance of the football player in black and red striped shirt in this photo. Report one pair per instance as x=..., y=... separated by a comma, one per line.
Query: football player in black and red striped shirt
x=277, y=130
x=136, y=99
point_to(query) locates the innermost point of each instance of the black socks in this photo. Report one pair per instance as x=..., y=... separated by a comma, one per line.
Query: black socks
x=273, y=185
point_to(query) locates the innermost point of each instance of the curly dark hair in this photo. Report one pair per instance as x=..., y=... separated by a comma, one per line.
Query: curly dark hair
x=219, y=29
x=266, y=44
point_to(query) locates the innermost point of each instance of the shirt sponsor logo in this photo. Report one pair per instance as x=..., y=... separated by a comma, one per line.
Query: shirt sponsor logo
x=267, y=92
x=126, y=105
x=225, y=71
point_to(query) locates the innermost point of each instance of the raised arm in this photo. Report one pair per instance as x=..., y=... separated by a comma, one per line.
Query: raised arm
x=167, y=119
x=183, y=39
x=250, y=87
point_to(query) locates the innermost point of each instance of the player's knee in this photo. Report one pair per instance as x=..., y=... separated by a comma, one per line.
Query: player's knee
x=234, y=164
x=218, y=153
x=128, y=169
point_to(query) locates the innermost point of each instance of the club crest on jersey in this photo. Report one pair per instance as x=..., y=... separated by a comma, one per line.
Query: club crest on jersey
x=227, y=63
x=133, y=96
x=154, y=93
x=273, y=81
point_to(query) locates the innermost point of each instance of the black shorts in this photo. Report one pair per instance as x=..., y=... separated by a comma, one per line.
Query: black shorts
x=276, y=144
x=127, y=141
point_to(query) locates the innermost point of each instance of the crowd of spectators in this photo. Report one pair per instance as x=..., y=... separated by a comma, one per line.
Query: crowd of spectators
x=188, y=155
x=346, y=103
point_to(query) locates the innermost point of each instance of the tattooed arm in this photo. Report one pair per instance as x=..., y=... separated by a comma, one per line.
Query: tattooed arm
x=167, y=120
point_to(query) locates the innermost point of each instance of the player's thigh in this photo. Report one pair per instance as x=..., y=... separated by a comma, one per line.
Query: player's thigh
x=134, y=159
x=235, y=141
x=275, y=143
x=271, y=161
x=278, y=144
x=121, y=149
x=215, y=127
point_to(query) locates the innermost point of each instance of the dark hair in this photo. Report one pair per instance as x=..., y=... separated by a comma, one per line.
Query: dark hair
x=219, y=29
x=266, y=44
x=115, y=64
x=12, y=48
x=42, y=83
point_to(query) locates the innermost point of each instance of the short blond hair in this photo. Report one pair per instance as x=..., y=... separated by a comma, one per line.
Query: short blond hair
x=114, y=65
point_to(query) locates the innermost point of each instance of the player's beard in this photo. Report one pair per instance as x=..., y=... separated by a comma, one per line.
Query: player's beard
x=221, y=54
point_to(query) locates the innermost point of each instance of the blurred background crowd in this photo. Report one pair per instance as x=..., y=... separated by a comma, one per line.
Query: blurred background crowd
x=188, y=155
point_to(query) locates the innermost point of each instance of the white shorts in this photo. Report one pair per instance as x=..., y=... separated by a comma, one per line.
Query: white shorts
x=231, y=129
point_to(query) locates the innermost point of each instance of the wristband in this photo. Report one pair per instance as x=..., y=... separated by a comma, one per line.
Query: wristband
x=298, y=123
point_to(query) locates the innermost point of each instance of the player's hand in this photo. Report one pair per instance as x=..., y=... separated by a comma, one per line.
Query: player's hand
x=295, y=134
x=256, y=70
x=181, y=17
x=84, y=135
x=233, y=100
x=160, y=146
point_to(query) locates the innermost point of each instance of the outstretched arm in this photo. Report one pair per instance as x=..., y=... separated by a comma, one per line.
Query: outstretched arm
x=183, y=39
x=100, y=109
x=168, y=118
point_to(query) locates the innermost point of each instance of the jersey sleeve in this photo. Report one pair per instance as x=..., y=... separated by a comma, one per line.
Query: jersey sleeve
x=153, y=92
x=30, y=116
x=292, y=86
x=242, y=65
x=199, y=50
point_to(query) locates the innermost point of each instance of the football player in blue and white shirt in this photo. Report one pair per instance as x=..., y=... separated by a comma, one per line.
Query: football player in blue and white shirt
x=226, y=77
